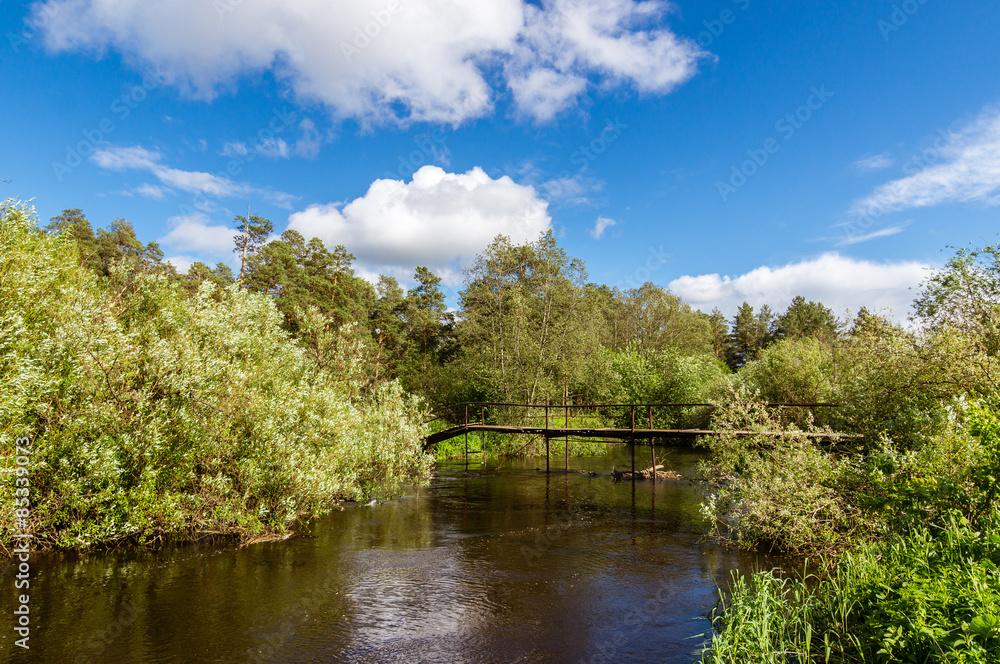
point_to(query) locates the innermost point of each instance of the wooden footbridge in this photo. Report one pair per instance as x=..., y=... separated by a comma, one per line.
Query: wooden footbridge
x=655, y=424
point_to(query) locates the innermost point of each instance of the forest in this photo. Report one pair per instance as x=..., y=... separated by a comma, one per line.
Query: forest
x=166, y=404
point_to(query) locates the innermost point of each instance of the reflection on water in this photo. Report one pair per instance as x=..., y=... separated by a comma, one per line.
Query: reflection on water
x=482, y=566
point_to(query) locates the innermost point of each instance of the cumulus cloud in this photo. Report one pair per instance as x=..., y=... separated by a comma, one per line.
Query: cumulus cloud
x=438, y=219
x=602, y=224
x=396, y=61
x=839, y=282
x=961, y=167
x=196, y=233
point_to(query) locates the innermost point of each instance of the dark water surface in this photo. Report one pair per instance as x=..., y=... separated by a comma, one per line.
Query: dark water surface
x=514, y=566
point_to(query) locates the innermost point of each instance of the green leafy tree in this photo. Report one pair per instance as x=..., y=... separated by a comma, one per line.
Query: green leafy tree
x=652, y=320
x=157, y=414
x=524, y=329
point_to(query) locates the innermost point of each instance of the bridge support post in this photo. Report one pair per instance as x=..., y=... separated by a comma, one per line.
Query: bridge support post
x=546, y=434
x=632, y=444
x=566, y=447
x=466, y=438
x=652, y=449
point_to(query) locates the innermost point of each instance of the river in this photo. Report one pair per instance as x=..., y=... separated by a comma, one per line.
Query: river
x=481, y=566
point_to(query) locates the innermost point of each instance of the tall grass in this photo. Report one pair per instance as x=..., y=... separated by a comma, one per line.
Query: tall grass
x=927, y=596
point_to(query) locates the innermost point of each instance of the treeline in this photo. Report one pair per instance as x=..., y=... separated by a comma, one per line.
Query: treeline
x=162, y=407
x=530, y=326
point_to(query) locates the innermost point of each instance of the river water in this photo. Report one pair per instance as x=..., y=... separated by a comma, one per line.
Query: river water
x=481, y=566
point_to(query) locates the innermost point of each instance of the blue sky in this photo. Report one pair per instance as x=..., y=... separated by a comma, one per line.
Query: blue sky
x=728, y=149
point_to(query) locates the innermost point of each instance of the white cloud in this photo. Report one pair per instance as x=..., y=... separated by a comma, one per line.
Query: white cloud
x=154, y=191
x=839, y=282
x=428, y=61
x=849, y=240
x=275, y=148
x=963, y=167
x=310, y=142
x=234, y=149
x=439, y=219
x=194, y=182
x=602, y=224
x=181, y=263
x=874, y=162
x=195, y=233
x=565, y=40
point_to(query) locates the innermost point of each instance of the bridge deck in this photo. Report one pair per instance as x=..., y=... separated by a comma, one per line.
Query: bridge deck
x=620, y=434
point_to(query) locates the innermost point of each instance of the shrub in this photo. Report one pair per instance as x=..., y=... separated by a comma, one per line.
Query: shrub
x=155, y=414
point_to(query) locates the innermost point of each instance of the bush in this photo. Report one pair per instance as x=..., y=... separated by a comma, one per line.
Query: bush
x=772, y=486
x=155, y=414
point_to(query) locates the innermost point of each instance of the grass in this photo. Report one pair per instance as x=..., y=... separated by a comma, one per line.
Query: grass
x=929, y=596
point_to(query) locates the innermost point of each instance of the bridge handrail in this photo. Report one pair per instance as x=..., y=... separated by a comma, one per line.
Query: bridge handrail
x=437, y=413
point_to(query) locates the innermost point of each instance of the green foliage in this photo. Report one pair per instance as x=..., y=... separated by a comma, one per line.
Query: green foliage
x=155, y=414
x=750, y=334
x=797, y=370
x=251, y=234
x=772, y=487
x=650, y=320
x=894, y=383
x=116, y=247
x=524, y=333
x=806, y=319
x=920, y=597
x=956, y=473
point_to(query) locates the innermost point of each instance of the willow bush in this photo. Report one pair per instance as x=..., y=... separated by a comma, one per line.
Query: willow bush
x=157, y=415
x=772, y=486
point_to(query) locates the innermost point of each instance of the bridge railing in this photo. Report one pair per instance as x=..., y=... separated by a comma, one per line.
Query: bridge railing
x=658, y=415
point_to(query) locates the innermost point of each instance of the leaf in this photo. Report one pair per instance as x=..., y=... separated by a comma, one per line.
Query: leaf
x=987, y=626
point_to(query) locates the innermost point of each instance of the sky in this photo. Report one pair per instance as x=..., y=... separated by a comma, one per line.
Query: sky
x=729, y=150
